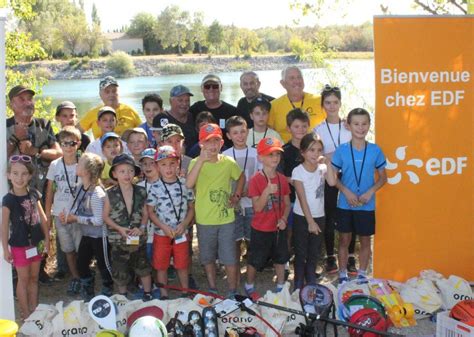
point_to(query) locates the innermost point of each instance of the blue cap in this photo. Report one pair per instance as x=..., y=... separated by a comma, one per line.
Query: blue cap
x=107, y=136
x=148, y=153
x=180, y=90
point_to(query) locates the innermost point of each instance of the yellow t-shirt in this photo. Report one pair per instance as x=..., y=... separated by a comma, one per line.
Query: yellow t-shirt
x=105, y=173
x=213, y=190
x=127, y=118
x=282, y=105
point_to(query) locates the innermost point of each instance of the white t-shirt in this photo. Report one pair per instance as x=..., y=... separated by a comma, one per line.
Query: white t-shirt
x=63, y=198
x=96, y=147
x=313, y=183
x=337, y=135
x=254, y=137
x=242, y=156
x=150, y=226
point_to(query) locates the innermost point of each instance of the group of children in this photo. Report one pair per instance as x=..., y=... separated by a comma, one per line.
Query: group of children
x=132, y=205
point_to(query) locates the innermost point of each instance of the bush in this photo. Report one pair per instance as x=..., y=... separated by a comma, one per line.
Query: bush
x=120, y=63
x=240, y=66
x=173, y=68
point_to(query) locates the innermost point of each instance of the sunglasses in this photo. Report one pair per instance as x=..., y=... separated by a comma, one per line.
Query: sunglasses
x=70, y=143
x=211, y=86
x=327, y=87
x=19, y=157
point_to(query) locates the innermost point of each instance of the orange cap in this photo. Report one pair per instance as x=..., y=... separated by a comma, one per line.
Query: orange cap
x=268, y=145
x=208, y=131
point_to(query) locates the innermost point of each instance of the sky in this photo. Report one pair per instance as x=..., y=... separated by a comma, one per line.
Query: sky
x=247, y=13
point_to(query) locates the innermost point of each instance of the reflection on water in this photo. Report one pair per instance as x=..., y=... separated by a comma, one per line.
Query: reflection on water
x=354, y=77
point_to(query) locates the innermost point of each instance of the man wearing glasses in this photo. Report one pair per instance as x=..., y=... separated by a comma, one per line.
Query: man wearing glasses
x=211, y=87
x=295, y=98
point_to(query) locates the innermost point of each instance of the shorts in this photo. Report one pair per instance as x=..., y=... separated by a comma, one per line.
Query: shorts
x=290, y=220
x=69, y=236
x=217, y=241
x=149, y=251
x=243, y=220
x=359, y=222
x=164, y=248
x=125, y=258
x=264, y=245
x=19, y=257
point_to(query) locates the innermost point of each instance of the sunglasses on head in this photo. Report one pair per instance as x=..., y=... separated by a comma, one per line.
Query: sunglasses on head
x=70, y=143
x=19, y=157
x=327, y=87
x=211, y=86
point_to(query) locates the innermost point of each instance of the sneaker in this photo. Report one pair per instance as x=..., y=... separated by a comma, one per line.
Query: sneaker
x=362, y=278
x=107, y=291
x=351, y=266
x=147, y=297
x=74, y=287
x=60, y=275
x=253, y=294
x=156, y=293
x=343, y=279
x=331, y=265
x=44, y=279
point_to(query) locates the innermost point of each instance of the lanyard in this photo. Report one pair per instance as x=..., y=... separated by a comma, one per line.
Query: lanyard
x=338, y=134
x=253, y=136
x=71, y=189
x=178, y=215
x=278, y=213
x=293, y=105
x=358, y=178
x=77, y=197
x=130, y=215
x=246, y=157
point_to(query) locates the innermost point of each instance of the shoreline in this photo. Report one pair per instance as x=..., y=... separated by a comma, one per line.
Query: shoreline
x=157, y=65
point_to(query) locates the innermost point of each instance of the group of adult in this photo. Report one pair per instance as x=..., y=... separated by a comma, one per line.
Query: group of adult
x=33, y=136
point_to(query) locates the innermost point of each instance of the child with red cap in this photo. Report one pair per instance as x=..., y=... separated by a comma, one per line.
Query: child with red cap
x=270, y=193
x=211, y=174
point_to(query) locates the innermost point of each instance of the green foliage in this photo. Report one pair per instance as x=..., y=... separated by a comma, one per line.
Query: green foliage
x=121, y=64
x=173, y=68
x=300, y=48
x=20, y=47
x=173, y=28
x=240, y=66
x=215, y=35
x=198, y=31
x=143, y=26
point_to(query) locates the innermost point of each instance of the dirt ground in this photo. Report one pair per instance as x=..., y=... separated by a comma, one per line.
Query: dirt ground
x=265, y=280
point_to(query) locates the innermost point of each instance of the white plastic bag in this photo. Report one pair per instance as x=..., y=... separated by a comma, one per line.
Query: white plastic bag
x=453, y=290
x=423, y=294
x=39, y=323
x=73, y=320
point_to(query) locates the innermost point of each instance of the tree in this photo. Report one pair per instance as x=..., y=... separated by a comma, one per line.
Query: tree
x=95, y=40
x=198, y=30
x=95, y=15
x=72, y=32
x=143, y=26
x=215, y=35
x=249, y=41
x=231, y=39
x=173, y=28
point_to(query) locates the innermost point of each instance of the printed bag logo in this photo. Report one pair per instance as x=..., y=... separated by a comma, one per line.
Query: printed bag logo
x=432, y=166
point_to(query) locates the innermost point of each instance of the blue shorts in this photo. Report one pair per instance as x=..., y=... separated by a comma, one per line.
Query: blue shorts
x=359, y=222
x=243, y=220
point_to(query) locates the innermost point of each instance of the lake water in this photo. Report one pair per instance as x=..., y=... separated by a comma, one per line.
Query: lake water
x=354, y=77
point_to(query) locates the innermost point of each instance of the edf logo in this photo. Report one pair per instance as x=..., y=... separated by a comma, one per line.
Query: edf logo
x=432, y=166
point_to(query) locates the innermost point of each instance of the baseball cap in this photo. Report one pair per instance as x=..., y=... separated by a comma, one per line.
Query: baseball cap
x=127, y=133
x=165, y=152
x=261, y=102
x=148, y=153
x=106, y=81
x=64, y=105
x=153, y=311
x=211, y=78
x=19, y=89
x=108, y=135
x=179, y=90
x=268, y=145
x=104, y=110
x=123, y=158
x=208, y=131
x=170, y=130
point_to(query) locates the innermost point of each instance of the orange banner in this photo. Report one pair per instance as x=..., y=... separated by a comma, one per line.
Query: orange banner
x=424, y=124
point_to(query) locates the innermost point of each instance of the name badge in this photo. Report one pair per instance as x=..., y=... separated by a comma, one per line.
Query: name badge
x=31, y=252
x=180, y=239
x=222, y=123
x=133, y=240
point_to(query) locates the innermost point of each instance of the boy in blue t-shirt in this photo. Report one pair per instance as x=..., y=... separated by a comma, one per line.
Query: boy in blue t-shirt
x=357, y=160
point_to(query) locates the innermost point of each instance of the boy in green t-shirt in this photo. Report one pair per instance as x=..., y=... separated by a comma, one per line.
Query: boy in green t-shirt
x=211, y=174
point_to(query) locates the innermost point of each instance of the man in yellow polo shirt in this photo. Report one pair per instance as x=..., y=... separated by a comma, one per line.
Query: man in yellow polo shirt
x=292, y=80
x=127, y=117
